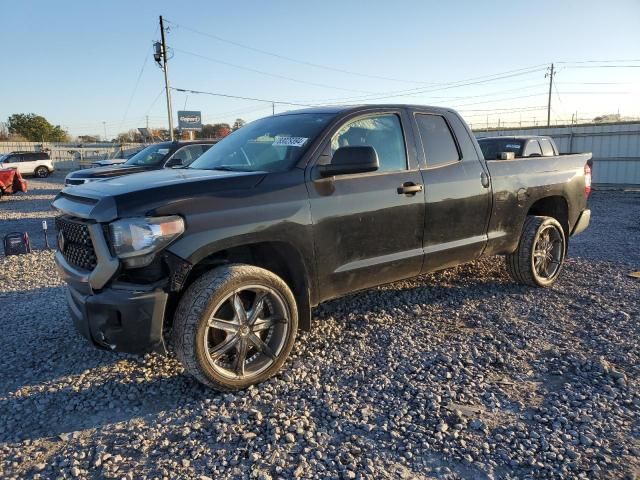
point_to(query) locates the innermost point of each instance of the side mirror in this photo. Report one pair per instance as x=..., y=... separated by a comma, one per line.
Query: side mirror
x=348, y=160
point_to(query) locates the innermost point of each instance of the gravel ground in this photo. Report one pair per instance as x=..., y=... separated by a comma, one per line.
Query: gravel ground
x=461, y=374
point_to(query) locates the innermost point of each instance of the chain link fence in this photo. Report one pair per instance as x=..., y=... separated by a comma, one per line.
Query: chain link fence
x=72, y=156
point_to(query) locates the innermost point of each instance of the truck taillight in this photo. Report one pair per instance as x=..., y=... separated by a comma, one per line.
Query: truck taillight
x=587, y=180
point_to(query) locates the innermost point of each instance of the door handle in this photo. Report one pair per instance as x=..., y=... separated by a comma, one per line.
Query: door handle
x=409, y=188
x=484, y=178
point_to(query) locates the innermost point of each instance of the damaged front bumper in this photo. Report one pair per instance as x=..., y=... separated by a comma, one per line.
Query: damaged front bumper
x=127, y=318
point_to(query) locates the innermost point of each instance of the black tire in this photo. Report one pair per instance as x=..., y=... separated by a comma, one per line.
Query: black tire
x=522, y=265
x=216, y=292
x=41, y=172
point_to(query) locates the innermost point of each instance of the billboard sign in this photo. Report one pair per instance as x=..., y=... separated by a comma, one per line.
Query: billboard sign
x=190, y=120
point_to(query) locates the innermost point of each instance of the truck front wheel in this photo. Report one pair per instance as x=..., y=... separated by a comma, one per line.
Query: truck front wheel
x=235, y=326
x=540, y=254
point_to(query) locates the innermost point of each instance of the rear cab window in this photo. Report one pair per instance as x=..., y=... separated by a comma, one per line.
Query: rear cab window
x=547, y=148
x=438, y=143
x=463, y=136
x=532, y=149
x=493, y=147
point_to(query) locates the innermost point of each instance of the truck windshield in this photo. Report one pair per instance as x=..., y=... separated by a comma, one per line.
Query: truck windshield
x=271, y=144
x=492, y=147
x=150, y=156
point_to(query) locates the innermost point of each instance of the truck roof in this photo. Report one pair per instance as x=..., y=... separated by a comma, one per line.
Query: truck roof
x=514, y=137
x=364, y=107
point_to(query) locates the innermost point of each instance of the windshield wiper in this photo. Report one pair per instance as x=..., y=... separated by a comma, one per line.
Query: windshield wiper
x=230, y=168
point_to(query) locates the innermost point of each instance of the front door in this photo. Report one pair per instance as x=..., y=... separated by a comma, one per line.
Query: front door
x=14, y=161
x=367, y=230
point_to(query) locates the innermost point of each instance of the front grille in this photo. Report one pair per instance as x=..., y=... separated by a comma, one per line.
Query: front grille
x=75, y=243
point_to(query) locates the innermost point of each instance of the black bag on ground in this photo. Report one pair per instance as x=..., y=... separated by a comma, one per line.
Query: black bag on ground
x=16, y=243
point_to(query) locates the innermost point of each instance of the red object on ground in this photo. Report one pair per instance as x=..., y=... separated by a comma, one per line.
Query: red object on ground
x=11, y=181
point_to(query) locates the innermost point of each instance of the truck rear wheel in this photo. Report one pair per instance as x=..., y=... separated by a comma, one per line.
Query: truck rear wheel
x=235, y=326
x=540, y=254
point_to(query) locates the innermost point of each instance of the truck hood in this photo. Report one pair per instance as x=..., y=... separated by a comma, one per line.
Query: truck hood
x=106, y=163
x=108, y=171
x=111, y=198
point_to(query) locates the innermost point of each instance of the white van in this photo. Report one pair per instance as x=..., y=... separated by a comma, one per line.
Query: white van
x=28, y=163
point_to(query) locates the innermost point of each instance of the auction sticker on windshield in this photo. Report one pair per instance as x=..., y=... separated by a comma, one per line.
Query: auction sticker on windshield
x=290, y=141
x=163, y=151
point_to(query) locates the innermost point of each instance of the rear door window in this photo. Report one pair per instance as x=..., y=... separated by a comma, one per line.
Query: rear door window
x=547, y=148
x=437, y=141
x=532, y=148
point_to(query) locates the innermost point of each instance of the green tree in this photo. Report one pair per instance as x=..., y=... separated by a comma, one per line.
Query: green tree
x=4, y=132
x=239, y=123
x=35, y=128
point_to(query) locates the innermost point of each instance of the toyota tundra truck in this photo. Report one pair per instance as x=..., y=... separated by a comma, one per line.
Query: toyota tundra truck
x=222, y=262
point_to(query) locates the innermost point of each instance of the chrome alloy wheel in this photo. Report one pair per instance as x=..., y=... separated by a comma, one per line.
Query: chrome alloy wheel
x=246, y=332
x=548, y=252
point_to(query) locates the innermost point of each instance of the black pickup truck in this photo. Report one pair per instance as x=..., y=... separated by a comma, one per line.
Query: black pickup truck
x=224, y=260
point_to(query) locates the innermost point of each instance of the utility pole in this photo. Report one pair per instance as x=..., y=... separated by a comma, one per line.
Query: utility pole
x=104, y=126
x=147, y=121
x=162, y=55
x=550, y=74
x=273, y=108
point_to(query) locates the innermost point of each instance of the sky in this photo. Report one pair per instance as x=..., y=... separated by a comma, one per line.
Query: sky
x=88, y=66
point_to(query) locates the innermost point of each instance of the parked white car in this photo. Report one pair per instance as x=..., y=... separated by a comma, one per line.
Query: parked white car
x=28, y=163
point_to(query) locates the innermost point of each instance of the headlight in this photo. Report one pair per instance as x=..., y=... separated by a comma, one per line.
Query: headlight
x=142, y=237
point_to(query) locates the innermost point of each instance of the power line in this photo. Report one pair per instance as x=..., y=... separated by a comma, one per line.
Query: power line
x=603, y=66
x=290, y=59
x=601, y=61
x=443, y=86
x=410, y=93
x=225, y=95
x=503, y=110
x=335, y=69
x=268, y=74
x=135, y=88
x=155, y=100
x=501, y=99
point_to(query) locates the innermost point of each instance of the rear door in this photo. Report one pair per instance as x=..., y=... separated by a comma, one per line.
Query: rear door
x=457, y=190
x=366, y=230
x=29, y=163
